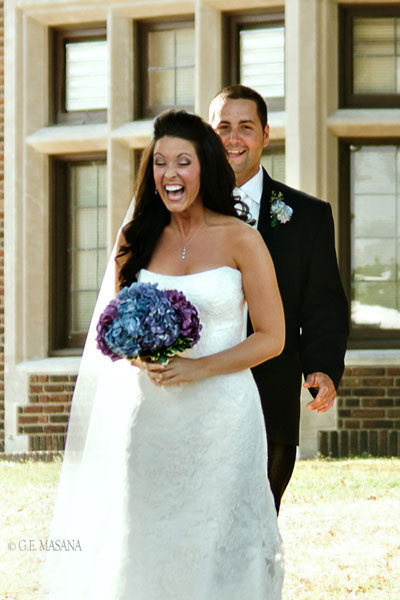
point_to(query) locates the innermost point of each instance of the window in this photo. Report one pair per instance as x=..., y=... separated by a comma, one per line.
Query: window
x=370, y=56
x=371, y=242
x=255, y=54
x=80, y=75
x=166, y=66
x=273, y=161
x=79, y=250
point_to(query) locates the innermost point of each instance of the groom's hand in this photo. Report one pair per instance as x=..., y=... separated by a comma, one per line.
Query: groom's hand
x=325, y=397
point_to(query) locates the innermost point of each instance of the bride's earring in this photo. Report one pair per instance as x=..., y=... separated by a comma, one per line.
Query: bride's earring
x=155, y=192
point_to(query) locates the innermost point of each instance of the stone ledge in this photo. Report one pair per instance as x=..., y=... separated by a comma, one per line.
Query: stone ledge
x=37, y=456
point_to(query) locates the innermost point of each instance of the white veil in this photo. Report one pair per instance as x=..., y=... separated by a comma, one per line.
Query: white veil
x=89, y=511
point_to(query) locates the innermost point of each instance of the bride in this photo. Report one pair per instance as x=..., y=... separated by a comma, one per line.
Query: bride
x=165, y=478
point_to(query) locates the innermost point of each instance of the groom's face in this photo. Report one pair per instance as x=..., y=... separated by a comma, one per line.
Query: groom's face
x=239, y=127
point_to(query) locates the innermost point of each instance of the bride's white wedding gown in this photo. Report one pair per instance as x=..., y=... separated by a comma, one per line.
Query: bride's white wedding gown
x=190, y=515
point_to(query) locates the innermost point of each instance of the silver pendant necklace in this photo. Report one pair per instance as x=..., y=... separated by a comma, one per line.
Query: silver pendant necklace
x=184, y=249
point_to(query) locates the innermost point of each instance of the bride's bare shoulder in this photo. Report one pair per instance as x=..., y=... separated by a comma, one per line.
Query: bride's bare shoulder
x=231, y=223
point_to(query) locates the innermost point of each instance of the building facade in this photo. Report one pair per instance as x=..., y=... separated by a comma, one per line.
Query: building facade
x=83, y=82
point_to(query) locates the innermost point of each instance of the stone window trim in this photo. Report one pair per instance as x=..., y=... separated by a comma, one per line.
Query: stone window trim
x=142, y=29
x=347, y=97
x=59, y=37
x=367, y=337
x=234, y=23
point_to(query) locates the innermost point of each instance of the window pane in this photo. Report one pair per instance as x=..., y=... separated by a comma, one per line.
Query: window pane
x=184, y=47
x=86, y=76
x=262, y=60
x=374, y=36
x=171, y=67
x=184, y=86
x=374, y=75
x=88, y=240
x=375, y=235
x=376, y=52
x=161, y=87
x=273, y=162
x=161, y=48
x=81, y=310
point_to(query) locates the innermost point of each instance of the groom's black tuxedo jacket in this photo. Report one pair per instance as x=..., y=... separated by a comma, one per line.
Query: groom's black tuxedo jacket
x=315, y=306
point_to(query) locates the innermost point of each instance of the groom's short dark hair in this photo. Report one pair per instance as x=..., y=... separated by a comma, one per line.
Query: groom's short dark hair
x=241, y=92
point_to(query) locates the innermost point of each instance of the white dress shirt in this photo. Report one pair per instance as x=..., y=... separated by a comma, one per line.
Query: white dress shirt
x=251, y=192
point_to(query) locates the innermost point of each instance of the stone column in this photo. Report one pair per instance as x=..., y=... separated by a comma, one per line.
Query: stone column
x=208, y=56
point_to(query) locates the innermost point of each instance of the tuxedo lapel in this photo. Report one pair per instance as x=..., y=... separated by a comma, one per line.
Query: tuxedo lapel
x=264, y=219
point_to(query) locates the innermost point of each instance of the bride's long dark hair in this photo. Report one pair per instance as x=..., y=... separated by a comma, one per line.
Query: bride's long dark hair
x=150, y=216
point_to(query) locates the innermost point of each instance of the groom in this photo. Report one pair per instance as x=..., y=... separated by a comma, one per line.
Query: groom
x=298, y=230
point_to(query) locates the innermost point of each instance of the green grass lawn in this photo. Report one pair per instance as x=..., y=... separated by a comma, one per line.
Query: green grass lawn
x=340, y=523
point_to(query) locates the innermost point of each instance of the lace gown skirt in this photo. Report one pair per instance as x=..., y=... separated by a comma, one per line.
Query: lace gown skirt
x=202, y=518
x=190, y=515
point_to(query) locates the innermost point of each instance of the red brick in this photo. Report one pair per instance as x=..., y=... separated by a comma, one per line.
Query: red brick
x=43, y=419
x=344, y=392
x=59, y=398
x=393, y=370
x=27, y=420
x=377, y=402
x=393, y=391
x=368, y=371
x=378, y=381
x=53, y=429
x=53, y=408
x=51, y=387
x=43, y=378
x=351, y=424
x=368, y=414
x=350, y=382
x=32, y=409
x=372, y=424
x=393, y=413
x=368, y=391
x=30, y=429
x=36, y=389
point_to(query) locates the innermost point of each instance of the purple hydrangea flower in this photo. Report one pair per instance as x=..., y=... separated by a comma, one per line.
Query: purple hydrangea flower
x=106, y=319
x=189, y=322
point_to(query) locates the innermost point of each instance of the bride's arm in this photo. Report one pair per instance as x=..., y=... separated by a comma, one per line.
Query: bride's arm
x=266, y=312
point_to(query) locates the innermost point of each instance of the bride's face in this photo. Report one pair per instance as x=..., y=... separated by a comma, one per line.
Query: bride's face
x=176, y=170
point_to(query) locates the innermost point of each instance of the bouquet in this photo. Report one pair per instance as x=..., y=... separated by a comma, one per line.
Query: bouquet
x=143, y=321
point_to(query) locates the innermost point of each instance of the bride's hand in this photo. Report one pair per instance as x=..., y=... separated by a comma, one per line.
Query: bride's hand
x=178, y=370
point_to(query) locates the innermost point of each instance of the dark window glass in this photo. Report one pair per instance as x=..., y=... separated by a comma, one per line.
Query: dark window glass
x=79, y=248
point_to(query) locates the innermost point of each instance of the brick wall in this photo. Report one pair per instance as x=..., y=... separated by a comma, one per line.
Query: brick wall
x=368, y=414
x=1, y=225
x=45, y=418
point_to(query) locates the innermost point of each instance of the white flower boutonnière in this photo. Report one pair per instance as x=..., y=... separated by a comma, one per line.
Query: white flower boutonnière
x=279, y=211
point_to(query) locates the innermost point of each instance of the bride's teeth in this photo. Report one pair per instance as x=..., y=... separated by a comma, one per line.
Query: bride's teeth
x=173, y=188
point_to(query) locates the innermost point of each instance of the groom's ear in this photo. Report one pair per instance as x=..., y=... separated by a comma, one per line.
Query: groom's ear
x=266, y=135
